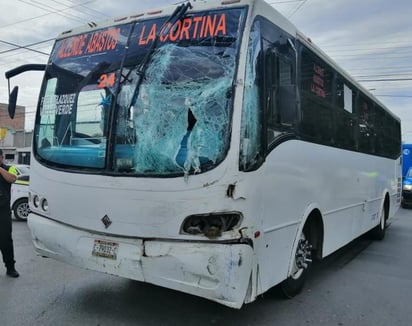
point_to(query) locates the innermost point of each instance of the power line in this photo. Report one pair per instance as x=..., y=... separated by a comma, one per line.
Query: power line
x=383, y=79
x=57, y=12
x=26, y=47
x=386, y=95
x=373, y=44
x=340, y=50
x=382, y=75
x=83, y=6
x=297, y=9
x=286, y=1
x=44, y=15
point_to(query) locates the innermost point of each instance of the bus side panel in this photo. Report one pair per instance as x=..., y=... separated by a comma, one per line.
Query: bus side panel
x=345, y=186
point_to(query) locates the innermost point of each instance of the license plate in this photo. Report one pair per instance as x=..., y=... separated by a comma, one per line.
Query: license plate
x=106, y=249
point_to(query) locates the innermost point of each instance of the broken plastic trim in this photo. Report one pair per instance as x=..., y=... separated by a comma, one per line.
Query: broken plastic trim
x=211, y=225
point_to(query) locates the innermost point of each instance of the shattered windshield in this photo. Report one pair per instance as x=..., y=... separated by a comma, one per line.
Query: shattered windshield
x=174, y=118
x=182, y=111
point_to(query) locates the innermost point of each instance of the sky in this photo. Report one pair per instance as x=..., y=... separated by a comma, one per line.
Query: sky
x=370, y=39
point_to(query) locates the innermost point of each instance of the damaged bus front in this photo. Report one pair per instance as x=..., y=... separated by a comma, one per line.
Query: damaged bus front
x=132, y=130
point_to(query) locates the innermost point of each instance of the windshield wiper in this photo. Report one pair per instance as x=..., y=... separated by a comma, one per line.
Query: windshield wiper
x=177, y=15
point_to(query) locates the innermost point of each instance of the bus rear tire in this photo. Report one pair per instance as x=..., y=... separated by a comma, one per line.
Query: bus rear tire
x=378, y=232
x=294, y=284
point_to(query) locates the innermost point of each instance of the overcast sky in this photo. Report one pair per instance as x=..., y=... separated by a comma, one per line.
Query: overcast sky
x=370, y=39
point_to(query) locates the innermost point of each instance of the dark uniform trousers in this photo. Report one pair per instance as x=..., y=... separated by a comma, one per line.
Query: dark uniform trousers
x=6, y=241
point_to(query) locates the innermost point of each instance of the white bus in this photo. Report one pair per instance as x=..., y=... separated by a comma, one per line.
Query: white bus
x=209, y=148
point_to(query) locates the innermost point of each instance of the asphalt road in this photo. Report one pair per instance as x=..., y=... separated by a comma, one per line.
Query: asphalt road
x=365, y=283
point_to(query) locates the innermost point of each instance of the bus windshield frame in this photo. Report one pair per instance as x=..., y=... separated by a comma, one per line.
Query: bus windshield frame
x=98, y=111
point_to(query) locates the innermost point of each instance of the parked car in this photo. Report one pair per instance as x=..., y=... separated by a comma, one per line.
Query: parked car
x=19, y=202
x=22, y=169
x=407, y=189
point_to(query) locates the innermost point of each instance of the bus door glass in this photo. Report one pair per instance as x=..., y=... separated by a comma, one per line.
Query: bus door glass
x=280, y=91
x=270, y=96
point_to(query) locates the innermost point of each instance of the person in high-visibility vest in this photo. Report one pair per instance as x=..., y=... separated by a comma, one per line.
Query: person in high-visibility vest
x=7, y=177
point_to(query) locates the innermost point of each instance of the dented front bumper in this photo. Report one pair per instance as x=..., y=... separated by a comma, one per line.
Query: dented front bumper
x=216, y=271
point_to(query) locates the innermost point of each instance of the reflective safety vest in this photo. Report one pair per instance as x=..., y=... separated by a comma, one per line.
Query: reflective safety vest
x=12, y=170
x=21, y=182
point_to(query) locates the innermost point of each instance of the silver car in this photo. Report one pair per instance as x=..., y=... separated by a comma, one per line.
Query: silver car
x=19, y=201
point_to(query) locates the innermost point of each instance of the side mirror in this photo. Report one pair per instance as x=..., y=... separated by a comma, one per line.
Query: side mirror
x=13, y=101
x=14, y=72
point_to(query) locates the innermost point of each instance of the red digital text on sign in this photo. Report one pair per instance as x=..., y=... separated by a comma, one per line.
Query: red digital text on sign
x=318, y=83
x=106, y=80
x=186, y=29
x=96, y=42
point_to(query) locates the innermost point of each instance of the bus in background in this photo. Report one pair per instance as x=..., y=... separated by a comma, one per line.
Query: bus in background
x=206, y=147
x=406, y=175
x=406, y=158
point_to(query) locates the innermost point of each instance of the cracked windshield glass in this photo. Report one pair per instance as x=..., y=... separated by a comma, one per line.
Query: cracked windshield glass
x=144, y=98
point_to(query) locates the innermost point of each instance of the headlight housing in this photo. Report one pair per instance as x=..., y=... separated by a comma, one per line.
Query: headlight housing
x=211, y=225
x=36, y=201
x=45, y=205
x=407, y=187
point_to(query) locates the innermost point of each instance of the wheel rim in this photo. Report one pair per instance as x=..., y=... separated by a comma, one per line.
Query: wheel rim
x=23, y=210
x=303, y=257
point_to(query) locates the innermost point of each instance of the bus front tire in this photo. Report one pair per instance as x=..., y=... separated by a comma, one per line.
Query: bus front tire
x=293, y=285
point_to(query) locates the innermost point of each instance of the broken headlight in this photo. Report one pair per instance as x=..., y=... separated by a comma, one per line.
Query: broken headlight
x=211, y=225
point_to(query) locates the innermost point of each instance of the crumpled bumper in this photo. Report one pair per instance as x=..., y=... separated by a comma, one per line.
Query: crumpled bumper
x=216, y=271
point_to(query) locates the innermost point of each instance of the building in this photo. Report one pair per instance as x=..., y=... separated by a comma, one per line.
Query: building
x=14, y=139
